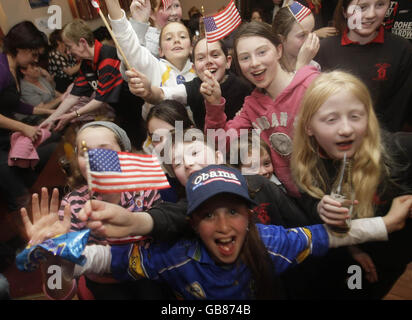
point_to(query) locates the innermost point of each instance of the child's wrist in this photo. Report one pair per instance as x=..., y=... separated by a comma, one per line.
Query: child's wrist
x=216, y=101
x=149, y=94
x=390, y=224
x=141, y=224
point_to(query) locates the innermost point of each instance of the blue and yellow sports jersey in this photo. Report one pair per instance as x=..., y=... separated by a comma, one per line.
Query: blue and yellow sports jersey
x=189, y=270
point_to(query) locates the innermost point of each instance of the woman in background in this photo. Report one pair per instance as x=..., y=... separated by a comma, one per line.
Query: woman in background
x=37, y=89
x=62, y=66
x=21, y=47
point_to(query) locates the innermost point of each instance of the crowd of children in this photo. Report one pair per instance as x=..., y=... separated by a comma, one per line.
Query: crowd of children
x=251, y=152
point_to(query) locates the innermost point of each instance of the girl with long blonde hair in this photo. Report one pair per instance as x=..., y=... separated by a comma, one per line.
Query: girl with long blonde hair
x=368, y=160
x=337, y=118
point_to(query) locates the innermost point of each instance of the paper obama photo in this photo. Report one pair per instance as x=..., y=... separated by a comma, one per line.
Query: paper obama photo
x=39, y=3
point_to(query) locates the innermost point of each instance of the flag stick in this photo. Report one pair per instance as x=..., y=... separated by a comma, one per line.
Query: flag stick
x=89, y=177
x=126, y=62
x=204, y=30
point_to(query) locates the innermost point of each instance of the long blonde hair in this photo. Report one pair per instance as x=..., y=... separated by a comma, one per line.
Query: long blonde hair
x=368, y=164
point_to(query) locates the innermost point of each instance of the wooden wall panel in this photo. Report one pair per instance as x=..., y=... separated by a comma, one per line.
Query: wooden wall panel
x=87, y=12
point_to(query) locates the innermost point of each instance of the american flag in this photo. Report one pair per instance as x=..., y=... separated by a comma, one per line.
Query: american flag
x=222, y=23
x=167, y=3
x=299, y=11
x=112, y=171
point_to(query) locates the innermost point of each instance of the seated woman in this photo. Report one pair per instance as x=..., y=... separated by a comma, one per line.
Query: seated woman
x=37, y=89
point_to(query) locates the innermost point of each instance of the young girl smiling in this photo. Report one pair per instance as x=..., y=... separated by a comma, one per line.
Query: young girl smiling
x=145, y=11
x=107, y=135
x=273, y=105
x=365, y=49
x=228, y=256
x=173, y=68
x=213, y=57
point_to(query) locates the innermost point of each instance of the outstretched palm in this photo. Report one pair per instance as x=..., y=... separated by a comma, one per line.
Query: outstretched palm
x=46, y=222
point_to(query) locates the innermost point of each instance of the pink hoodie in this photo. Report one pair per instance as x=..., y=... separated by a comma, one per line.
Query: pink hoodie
x=275, y=119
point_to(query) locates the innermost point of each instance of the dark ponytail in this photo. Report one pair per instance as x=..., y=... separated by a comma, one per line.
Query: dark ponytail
x=265, y=284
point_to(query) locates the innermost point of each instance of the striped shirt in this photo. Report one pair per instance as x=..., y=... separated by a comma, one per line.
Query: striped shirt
x=102, y=75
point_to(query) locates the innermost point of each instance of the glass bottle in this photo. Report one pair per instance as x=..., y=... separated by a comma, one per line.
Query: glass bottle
x=342, y=191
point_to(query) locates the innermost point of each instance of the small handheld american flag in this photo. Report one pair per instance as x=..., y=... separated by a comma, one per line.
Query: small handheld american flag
x=222, y=23
x=299, y=11
x=112, y=171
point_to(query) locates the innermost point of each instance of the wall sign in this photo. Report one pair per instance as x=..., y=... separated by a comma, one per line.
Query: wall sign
x=39, y=3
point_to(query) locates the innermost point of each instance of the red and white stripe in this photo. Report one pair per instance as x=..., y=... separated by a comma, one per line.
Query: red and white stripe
x=226, y=21
x=166, y=4
x=303, y=14
x=139, y=172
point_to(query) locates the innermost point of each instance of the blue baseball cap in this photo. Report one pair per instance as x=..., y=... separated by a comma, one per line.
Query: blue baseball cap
x=213, y=180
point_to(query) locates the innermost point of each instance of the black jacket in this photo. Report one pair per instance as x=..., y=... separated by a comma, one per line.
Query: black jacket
x=274, y=207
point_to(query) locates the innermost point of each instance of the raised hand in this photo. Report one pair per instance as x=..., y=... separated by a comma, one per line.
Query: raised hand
x=139, y=84
x=110, y=220
x=210, y=89
x=140, y=10
x=308, y=51
x=114, y=9
x=46, y=223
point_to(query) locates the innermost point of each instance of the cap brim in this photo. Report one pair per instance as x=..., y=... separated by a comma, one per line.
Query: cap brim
x=251, y=203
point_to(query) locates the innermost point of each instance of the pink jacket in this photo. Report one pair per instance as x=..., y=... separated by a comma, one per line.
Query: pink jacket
x=275, y=120
x=23, y=152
